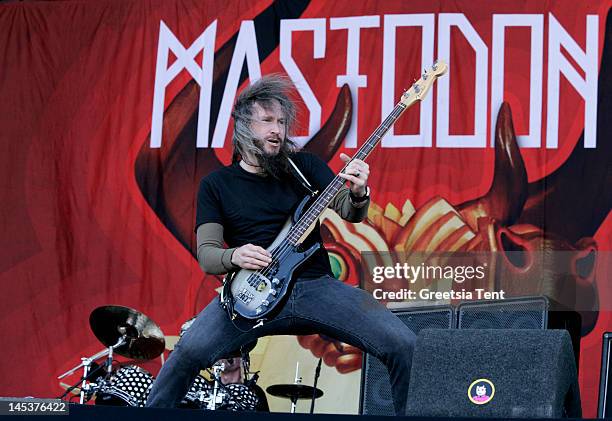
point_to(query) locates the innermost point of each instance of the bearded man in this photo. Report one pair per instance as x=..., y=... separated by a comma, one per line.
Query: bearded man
x=245, y=206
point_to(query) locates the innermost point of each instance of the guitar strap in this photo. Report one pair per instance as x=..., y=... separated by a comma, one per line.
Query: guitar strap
x=301, y=178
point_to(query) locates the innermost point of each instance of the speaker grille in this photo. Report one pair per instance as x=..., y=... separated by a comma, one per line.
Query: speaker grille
x=533, y=372
x=521, y=313
x=376, y=397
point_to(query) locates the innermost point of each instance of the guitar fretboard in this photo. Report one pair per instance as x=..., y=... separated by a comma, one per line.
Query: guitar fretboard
x=322, y=202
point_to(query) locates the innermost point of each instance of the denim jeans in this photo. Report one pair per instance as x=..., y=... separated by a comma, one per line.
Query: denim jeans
x=325, y=305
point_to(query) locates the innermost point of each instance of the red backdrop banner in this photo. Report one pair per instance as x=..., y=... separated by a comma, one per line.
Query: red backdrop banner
x=111, y=113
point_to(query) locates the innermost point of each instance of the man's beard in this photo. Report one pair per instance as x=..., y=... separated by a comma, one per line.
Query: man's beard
x=275, y=165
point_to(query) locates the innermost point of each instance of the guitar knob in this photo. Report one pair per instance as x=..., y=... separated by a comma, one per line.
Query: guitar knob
x=273, y=291
x=275, y=281
x=265, y=303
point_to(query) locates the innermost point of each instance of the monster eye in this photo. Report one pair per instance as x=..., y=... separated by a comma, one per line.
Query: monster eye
x=338, y=266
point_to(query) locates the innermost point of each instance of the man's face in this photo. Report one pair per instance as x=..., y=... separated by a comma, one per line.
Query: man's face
x=269, y=126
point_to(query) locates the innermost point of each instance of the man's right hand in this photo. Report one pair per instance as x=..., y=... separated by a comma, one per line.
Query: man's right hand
x=251, y=256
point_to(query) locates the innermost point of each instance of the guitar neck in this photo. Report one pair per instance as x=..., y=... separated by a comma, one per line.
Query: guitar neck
x=323, y=200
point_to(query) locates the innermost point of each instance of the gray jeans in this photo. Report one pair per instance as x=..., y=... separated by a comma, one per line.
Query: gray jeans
x=326, y=306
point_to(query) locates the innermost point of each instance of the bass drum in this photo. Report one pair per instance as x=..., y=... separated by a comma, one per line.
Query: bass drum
x=239, y=398
x=198, y=394
x=129, y=386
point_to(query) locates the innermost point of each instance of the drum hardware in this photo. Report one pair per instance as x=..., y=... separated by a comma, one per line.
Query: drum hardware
x=129, y=386
x=126, y=332
x=130, y=333
x=197, y=395
x=239, y=398
x=295, y=391
x=84, y=382
x=86, y=362
x=216, y=397
x=233, y=396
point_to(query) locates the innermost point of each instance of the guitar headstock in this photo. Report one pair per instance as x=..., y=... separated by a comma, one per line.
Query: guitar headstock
x=421, y=87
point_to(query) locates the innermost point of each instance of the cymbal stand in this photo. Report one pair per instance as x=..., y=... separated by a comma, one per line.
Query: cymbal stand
x=86, y=364
x=298, y=380
x=217, y=397
x=94, y=369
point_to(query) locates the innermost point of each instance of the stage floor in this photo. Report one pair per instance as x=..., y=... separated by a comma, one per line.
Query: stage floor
x=110, y=413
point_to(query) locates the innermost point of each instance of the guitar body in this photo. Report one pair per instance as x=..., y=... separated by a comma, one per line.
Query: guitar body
x=256, y=294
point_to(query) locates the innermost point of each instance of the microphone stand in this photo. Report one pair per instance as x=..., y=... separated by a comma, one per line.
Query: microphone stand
x=314, y=390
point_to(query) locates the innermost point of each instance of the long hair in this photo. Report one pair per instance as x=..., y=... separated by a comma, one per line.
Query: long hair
x=265, y=91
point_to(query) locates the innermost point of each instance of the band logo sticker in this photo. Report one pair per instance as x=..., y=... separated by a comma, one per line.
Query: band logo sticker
x=481, y=391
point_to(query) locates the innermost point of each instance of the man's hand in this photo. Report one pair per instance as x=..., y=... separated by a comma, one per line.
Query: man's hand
x=356, y=173
x=251, y=256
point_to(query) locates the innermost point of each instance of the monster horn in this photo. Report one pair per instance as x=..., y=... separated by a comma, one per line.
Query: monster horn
x=506, y=196
x=325, y=142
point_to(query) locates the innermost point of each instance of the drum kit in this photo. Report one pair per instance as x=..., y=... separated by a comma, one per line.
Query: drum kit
x=129, y=333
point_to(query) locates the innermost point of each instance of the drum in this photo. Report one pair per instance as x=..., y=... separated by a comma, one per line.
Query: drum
x=231, y=397
x=129, y=386
x=198, y=394
x=239, y=398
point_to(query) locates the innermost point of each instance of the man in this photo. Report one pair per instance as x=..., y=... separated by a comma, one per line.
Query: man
x=246, y=205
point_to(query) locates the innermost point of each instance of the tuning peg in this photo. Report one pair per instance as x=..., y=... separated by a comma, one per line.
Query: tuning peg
x=424, y=76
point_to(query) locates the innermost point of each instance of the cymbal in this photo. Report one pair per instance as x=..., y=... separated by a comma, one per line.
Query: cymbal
x=294, y=391
x=144, y=339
